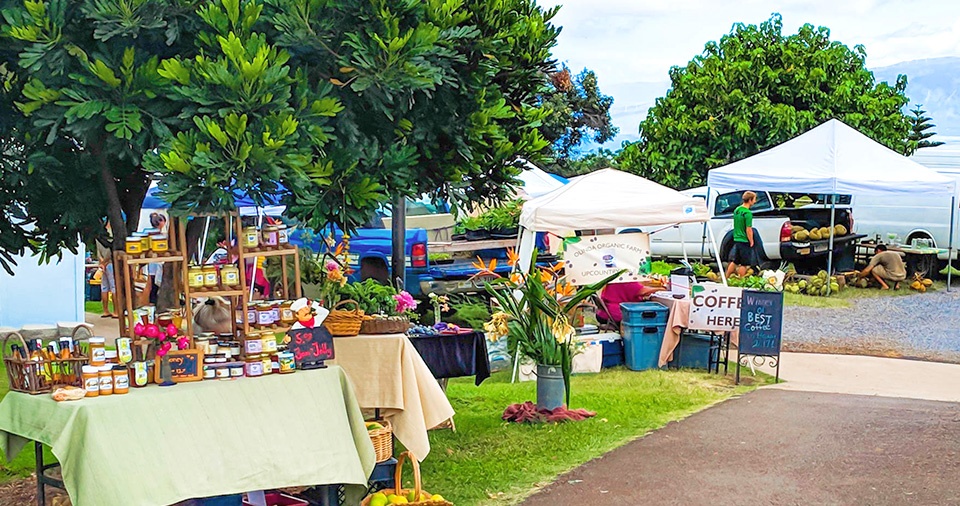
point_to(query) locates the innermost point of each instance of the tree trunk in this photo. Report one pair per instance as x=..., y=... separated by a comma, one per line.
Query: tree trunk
x=114, y=207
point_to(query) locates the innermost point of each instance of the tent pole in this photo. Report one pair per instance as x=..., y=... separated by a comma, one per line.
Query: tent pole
x=703, y=237
x=953, y=209
x=833, y=216
x=203, y=242
x=683, y=245
x=716, y=253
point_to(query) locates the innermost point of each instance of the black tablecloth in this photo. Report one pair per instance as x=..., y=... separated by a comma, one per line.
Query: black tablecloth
x=454, y=356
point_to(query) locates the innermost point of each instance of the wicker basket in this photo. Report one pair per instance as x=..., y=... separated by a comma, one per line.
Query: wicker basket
x=343, y=322
x=39, y=376
x=382, y=440
x=398, y=490
x=373, y=325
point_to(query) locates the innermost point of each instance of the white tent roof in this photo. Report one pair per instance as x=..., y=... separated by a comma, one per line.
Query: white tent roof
x=537, y=182
x=610, y=198
x=832, y=158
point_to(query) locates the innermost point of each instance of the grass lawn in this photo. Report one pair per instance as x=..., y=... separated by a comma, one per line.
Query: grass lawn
x=93, y=306
x=844, y=298
x=23, y=465
x=488, y=461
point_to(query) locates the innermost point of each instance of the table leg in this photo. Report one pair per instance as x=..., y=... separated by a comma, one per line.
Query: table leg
x=41, y=496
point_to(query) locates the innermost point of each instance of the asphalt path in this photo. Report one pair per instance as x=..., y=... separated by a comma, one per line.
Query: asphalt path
x=777, y=447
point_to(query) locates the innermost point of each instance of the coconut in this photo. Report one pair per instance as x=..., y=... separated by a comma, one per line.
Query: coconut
x=840, y=230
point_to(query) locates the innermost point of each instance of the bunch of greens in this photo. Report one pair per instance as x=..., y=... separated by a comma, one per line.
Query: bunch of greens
x=372, y=296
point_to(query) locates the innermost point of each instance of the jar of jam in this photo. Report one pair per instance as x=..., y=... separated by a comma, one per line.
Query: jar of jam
x=209, y=372
x=210, y=278
x=252, y=313
x=121, y=379
x=269, y=342
x=253, y=344
x=275, y=311
x=144, y=240
x=251, y=237
x=287, y=363
x=253, y=366
x=98, y=351
x=164, y=320
x=236, y=370
x=270, y=236
x=230, y=275
x=221, y=371
x=286, y=314
x=159, y=243
x=283, y=238
x=133, y=246
x=91, y=380
x=195, y=276
x=234, y=348
x=267, y=363
x=264, y=314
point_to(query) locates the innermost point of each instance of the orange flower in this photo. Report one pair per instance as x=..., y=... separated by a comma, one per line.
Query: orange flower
x=516, y=278
x=512, y=257
x=481, y=266
x=565, y=289
x=555, y=268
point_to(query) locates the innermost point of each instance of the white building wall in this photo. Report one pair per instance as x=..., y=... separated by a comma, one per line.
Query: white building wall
x=44, y=293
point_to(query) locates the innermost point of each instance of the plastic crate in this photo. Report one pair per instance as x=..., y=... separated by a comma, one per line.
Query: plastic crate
x=612, y=345
x=220, y=500
x=694, y=351
x=644, y=313
x=641, y=346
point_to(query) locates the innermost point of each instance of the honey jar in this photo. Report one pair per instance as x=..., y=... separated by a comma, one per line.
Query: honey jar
x=121, y=379
x=195, y=276
x=98, y=351
x=133, y=246
x=251, y=237
x=105, y=376
x=144, y=240
x=91, y=380
x=271, y=236
x=210, y=278
x=229, y=275
x=159, y=243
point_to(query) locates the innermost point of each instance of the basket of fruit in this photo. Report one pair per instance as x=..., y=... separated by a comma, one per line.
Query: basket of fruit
x=382, y=324
x=344, y=322
x=381, y=435
x=399, y=495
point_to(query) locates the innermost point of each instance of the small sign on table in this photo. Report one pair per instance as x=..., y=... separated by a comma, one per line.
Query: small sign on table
x=761, y=327
x=185, y=365
x=310, y=346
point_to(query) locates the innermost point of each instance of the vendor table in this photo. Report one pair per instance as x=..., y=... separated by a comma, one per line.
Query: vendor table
x=916, y=259
x=679, y=320
x=162, y=445
x=388, y=374
x=455, y=356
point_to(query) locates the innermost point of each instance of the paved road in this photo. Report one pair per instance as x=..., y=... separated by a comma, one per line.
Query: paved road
x=777, y=447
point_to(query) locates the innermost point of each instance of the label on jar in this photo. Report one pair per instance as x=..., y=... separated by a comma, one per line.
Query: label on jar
x=270, y=344
x=209, y=373
x=286, y=314
x=210, y=278
x=196, y=279
x=92, y=384
x=254, y=346
x=121, y=382
x=106, y=384
x=250, y=239
x=275, y=313
x=265, y=317
x=98, y=355
x=231, y=277
x=254, y=368
x=223, y=372
x=282, y=236
x=267, y=365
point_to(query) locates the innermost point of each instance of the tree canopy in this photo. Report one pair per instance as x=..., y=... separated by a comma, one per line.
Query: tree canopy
x=579, y=111
x=919, y=129
x=756, y=88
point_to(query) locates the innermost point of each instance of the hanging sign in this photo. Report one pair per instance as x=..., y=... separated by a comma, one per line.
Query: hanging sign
x=715, y=307
x=590, y=259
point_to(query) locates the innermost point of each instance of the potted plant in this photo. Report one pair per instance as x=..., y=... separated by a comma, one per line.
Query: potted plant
x=475, y=228
x=504, y=221
x=440, y=258
x=537, y=306
x=386, y=310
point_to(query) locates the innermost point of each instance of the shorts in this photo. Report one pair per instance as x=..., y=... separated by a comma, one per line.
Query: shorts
x=107, y=282
x=884, y=274
x=743, y=254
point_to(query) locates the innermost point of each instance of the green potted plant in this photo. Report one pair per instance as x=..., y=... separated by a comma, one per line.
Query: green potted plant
x=475, y=228
x=504, y=221
x=536, y=309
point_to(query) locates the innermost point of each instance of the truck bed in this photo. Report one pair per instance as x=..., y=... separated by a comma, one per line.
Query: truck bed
x=459, y=246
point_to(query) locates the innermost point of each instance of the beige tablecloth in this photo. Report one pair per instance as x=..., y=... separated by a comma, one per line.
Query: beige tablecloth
x=678, y=320
x=161, y=445
x=388, y=373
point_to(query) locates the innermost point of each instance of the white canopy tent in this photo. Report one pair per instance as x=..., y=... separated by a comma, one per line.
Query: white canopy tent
x=607, y=198
x=537, y=182
x=833, y=159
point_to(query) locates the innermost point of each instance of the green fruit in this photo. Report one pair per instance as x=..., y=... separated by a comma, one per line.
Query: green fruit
x=823, y=291
x=379, y=499
x=822, y=275
x=812, y=290
x=840, y=230
x=802, y=284
x=834, y=287
x=814, y=235
x=824, y=232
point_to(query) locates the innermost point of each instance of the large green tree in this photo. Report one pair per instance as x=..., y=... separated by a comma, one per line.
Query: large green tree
x=756, y=88
x=578, y=111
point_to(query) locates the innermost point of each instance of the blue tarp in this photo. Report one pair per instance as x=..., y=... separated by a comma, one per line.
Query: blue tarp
x=153, y=200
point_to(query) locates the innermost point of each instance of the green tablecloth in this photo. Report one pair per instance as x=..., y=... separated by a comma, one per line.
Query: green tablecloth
x=161, y=445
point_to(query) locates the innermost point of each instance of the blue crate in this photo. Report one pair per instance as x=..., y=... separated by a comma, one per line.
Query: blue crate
x=220, y=500
x=644, y=313
x=612, y=346
x=641, y=346
x=694, y=351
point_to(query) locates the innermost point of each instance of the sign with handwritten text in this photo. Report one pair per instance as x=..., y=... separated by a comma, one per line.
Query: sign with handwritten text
x=761, y=323
x=185, y=365
x=310, y=346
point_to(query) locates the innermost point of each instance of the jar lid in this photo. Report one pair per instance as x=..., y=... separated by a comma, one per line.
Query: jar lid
x=133, y=238
x=106, y=368
x=158, y=236
x=232, y=365
x=97, y=340
x=89, y=369
x=119, y=368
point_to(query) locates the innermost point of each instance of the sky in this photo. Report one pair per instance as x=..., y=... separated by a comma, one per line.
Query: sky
x=631, y=44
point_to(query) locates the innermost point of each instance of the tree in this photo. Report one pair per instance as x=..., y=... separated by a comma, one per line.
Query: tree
x=600, y=159
x=757, y=88
x=84, y=102
x=578, y=111
x=919, y=124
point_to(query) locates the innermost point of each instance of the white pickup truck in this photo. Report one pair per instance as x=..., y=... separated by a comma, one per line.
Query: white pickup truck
x=774, y=216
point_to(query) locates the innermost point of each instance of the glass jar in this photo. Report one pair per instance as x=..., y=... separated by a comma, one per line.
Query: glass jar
x=236, y=370
x=251, y=237
x=230, y=275
x=121, y=379
x=133, y=246
x=252, y=313
x=287, y=363
x=264, y=314
x=275, y=311
x=267, y=363
x=269, y=342
x=105, y=376
x=210, y=278
x=98, y=351
x=159, y=243
x=164, y=320
x=234, y=348
x=144, y=240
x=253, y=366
x=111, y=357
x=91, y=380
x=209, y=372
x=195, y=276
x=286, y=313
x=253, y=344
x=283, y=238
x=270, y=235
x=222, y=371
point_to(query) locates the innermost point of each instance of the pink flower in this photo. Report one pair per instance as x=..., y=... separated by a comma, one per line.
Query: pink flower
x=164, y=348
x=332, y=266
x=171, y=330
x=183, y=342
x=152, y=331
x=138, y=329
x=405, y=302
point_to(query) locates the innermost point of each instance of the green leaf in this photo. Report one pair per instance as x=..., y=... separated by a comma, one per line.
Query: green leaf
x=104, y=73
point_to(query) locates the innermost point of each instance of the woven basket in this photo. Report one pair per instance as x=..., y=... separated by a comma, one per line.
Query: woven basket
x=373, y=325
x=40, y=376
x=382, y=440
x=343, y=322
x=398, y=490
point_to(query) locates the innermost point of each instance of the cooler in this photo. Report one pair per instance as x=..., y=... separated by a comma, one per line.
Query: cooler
x=644, y=313
x=641, y=345
x=694, y=351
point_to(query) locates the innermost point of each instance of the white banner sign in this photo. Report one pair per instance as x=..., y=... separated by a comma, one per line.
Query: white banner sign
x=590, y=259
x=715, y=307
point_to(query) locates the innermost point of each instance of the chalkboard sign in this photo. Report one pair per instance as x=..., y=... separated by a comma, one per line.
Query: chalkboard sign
x=185, y=365
x=310, y=347
x=761, y=323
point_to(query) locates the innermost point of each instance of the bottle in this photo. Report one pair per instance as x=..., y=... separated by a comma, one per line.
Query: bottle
x=98, y=351
x=91, y=380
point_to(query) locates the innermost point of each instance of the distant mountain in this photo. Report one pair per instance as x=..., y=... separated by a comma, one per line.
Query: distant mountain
x=934, y=84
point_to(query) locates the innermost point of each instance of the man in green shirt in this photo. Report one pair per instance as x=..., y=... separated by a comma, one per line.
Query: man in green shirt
x=743, y=254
